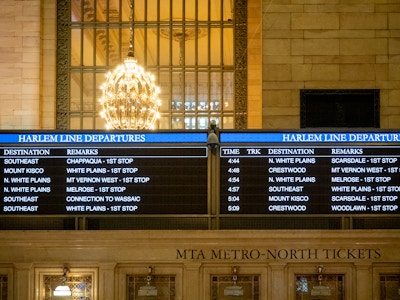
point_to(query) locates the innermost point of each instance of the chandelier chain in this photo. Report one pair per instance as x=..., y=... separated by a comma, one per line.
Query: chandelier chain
x=131, y=21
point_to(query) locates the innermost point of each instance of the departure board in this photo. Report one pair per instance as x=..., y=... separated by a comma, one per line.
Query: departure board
x=309, y=173
x=103, y=173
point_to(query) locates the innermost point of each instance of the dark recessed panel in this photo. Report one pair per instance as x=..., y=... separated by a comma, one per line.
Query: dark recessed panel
x=339, y=108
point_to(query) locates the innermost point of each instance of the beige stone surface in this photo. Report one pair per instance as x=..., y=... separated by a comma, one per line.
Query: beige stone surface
x=274, y=7
x=277, y=72
x=311, y=20
x=340, y=7
x=19, y=64
x=394, y=19
x=333, y=45
x=283, y=59
x=280, y=21
x=394, y=72
x=357, y=71
x=302, y=72
x=275, y=256
x=391, y=7
x=394, y=46
x=254, y=53
x=328, y=72
x=274, y=47
x=365, y=20
x=292, y=45
x=315, y=46
x=282, y=33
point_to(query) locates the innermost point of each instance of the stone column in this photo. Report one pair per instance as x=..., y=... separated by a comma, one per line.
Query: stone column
x=364, y=282
x=191, y=282
x=278, y=283
x=23, y=281
x=106, y=288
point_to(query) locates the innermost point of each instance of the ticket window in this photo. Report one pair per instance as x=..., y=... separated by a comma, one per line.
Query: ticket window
x=243, y=287
x=148, y=286
x=389, y=286
x=80, y=286
x=3, y=286
x=81, y=283
x=319, y=286
x=141, y=282
x=6, y=282
x=235, y=282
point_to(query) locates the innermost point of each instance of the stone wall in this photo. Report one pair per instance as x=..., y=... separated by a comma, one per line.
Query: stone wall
x=292, y=45
x=20, y=57
x=334, y=44
x=194, y=256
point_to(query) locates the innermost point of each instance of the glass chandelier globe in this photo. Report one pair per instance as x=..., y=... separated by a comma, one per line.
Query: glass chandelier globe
x=130, y=97
x=62, y=290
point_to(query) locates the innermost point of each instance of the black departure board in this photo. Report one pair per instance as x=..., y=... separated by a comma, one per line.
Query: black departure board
x=103, y=173
x=309, y=173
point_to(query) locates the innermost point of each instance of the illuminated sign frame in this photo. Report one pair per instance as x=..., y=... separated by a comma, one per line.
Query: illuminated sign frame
x=103, y=173
x=309, y=172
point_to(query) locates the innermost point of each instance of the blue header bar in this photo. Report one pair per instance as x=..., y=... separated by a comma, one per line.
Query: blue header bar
x=309, y=137
x=196, y=137
x=103, y=138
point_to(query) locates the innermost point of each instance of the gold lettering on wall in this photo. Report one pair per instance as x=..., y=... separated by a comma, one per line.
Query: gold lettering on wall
x=280, y=254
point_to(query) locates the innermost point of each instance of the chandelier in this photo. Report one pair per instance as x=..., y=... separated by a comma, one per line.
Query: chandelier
x=130, y=96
